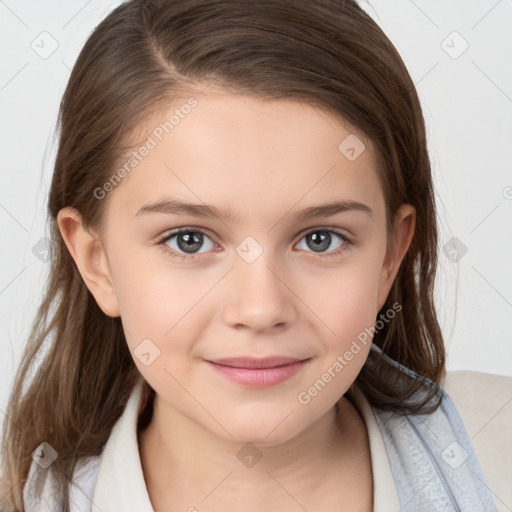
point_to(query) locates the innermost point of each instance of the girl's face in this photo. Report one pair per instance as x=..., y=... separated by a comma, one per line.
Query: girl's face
x=262, y=269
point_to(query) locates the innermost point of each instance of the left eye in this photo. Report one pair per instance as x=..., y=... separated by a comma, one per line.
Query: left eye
x=321, y=239
x=186, y=243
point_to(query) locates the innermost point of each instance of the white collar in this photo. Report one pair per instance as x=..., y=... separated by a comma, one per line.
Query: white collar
x=120, y=483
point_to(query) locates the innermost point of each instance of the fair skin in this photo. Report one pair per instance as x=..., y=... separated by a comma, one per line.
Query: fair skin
x=265, y=161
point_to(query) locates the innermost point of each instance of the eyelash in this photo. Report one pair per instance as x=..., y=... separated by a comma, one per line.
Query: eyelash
x=173, y=254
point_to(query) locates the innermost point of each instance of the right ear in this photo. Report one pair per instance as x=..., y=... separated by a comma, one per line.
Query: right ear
x=90, y=258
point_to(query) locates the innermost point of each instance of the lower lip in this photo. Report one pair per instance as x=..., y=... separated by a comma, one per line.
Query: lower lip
x=258, y=377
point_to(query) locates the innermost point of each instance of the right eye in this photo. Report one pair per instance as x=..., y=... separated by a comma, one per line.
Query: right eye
x=184, y=243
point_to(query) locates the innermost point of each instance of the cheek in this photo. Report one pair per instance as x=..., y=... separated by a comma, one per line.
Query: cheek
x=148, y=301
x=345, y=302
x=347, y=311
x=165, y=306
x=344, y=299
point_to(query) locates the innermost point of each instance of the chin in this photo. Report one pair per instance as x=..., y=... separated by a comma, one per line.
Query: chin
x=262, y=430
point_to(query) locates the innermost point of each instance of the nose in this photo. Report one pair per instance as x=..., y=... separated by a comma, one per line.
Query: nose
x=260, y=298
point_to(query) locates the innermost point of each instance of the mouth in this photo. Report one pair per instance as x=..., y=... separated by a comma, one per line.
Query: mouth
x=254, y=372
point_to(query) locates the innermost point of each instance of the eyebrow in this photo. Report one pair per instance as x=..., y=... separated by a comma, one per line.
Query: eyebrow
x=176, y=207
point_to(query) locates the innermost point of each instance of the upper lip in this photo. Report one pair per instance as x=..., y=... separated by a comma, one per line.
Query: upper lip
x=253, y=362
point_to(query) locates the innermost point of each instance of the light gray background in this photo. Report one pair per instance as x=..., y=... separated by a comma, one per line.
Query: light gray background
x=467, y=102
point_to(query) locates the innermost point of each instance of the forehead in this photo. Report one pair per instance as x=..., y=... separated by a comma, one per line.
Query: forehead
x=248, y=154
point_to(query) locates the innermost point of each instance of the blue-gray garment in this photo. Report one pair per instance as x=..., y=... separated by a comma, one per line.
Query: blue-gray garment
x=433, y=463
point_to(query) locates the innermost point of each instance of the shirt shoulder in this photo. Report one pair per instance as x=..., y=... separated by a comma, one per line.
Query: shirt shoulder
x=484, y=404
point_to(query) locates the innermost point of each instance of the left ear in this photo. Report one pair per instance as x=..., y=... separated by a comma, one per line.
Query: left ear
x=403, y=225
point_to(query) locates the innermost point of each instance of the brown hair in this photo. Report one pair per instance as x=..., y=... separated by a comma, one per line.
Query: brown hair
x=327, y=53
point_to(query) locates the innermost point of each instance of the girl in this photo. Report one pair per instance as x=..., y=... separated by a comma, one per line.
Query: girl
x=239, y=314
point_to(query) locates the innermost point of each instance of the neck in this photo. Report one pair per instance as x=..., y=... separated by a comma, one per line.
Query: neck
x=186, y=464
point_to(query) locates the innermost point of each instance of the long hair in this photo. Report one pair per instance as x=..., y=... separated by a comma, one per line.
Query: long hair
x=327, y=53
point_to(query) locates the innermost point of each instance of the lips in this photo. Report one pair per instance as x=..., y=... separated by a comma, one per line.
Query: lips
x=255, y=363
x=258, y=372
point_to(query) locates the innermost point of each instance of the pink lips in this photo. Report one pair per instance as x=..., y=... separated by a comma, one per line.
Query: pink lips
x=263, y=372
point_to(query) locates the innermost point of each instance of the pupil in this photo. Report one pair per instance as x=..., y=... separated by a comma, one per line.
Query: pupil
x=321, y=242
x=187, y=241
